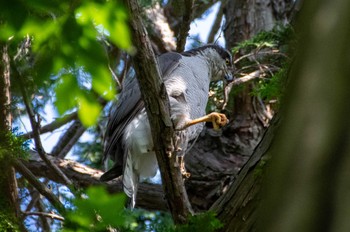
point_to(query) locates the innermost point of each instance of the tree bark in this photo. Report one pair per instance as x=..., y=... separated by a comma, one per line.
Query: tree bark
x=307, y=188
x=244, y=19
x=8, y=183
x=237, y=208
x=151, y=196
x=158, y=110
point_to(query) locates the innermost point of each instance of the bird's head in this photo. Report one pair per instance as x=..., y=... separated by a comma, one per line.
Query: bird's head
x=222, y=63
x=219, y=59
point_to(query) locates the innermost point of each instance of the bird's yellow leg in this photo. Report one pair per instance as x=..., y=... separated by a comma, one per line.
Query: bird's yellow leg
x=217, y=119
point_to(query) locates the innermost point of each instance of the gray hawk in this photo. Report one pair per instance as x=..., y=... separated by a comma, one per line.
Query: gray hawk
x=187, y=76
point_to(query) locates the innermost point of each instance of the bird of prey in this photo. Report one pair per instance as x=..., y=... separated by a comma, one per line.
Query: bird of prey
x=186, y=76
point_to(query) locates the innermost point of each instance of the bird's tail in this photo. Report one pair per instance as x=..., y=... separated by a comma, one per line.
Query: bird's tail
x=130, y=180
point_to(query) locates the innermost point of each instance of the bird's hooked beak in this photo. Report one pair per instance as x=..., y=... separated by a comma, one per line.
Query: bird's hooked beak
x=229, y=75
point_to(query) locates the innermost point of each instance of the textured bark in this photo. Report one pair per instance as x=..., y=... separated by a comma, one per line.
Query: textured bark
x=185, y=25
x=237, y=208
x=174, y=10
x=150, y=196
x=8, y=183
x=157, y=106
x=307, y=188
x=244, y=19
x=239, y=201
x=216, y=158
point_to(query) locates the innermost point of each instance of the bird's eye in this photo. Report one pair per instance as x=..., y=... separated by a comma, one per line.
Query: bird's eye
x=227, y=61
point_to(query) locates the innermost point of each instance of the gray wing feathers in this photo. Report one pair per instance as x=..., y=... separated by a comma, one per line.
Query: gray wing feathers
x=124, y=111
x=130, y=180
x=168, y=62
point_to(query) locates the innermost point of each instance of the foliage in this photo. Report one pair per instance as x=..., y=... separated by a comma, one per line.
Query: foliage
x=6, y=223
x=201, y=222
x=272, y=88
x=279, y=36
x=270, y=53
x=97, y=211
x=12, y=146
x=64, y=37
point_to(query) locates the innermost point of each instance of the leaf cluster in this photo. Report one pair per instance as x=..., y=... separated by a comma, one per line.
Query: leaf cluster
x=12, y=146
x=65, y=42
x=269, y=52
x=97, y=210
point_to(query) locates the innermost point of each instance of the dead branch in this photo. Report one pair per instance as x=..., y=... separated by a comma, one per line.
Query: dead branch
x=185, y=25
x=43, y=190
x=68, y=139
x=49, y=215
x=53, y=125
x=150, y=195
x=45, y=222
x=216, y=25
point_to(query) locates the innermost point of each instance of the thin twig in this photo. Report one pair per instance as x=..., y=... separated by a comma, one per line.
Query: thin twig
x=115, y=77
x=254, y=53
x=53, y=125
x=45, y=221
x=49, y=215
x=38, y=145
x=251, y=76
x=68, y=139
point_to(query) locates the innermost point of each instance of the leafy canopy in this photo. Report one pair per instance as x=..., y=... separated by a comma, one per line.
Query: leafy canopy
x=67, y=43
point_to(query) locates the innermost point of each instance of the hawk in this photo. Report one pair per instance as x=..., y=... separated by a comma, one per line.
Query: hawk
x=186, y=76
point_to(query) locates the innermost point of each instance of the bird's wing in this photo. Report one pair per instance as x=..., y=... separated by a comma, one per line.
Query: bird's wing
x=124, y=111
x=168, y=62
x=129, y=104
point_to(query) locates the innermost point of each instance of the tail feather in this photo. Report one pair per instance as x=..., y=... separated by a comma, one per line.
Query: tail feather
x=130, y=180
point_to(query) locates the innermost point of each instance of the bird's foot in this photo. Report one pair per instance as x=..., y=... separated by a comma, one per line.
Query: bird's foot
x=218, y=120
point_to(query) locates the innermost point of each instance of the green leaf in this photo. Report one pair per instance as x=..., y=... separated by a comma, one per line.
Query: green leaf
x=111, y=16
x=89, y=109
x=67, y=91
x=97, y=211
x=102, y=83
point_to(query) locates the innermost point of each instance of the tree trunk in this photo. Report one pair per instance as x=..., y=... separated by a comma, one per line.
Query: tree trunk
x=158, y=111
x=8, y=185
x=237, y=208
x=307, y=188
x=216, y=158
x=244, y=19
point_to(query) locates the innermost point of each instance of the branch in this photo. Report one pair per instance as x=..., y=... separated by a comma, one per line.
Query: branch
x=217, y=23
x=185, y=25
x=237, y=208
x=157, y=106
x=238, y=81
x=150, y=195
x=38, y=145
x=43, y=190
x=246, y=78
x=44, y=220
x=68, y=139
x=49, y=215
x=53, y=125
